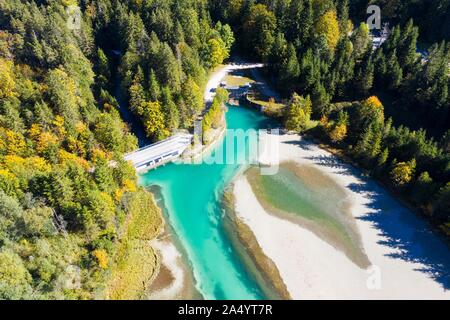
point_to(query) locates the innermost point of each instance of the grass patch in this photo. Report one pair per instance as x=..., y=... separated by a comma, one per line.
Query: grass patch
x=237, y=81
x=144, y=220
x=135, y=263
x=267, y=103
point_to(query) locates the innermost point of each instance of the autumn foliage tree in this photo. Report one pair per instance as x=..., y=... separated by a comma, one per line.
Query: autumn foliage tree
x=298, y=113
x=7, y=83
x=403, y=172
x=153, y=120
x=339, y=129
x=328, y=25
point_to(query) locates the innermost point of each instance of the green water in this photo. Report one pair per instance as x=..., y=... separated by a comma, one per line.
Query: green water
x=322, y=204
x=192, y=194
x=288, y=193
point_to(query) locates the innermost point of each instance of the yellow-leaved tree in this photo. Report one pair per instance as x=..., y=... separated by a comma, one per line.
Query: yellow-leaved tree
x=217, y=52
x=339, y=131
x=373, y=102
x=11, y=142
x=328, y=25
x=154, y=120
x=102, y=258
x=7, y=83
x=298, y=113
x=403, y=172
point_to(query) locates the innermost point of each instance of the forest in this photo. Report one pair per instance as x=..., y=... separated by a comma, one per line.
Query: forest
x=67, y=222
x=386, y=108
x=70, y=221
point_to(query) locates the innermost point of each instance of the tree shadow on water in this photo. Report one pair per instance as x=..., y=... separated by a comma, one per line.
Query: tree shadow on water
x=410, y=237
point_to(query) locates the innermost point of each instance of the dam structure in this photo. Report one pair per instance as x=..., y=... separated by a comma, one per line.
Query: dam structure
x=158, y=153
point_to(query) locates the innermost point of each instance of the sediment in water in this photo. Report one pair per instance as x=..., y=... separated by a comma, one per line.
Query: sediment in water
x=257, y=264
x=338, y=228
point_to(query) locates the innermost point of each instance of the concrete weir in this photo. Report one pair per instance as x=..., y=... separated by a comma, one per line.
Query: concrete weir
x=159, y=153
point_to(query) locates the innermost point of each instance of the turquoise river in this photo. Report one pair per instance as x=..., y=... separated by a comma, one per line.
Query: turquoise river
x=192, y=194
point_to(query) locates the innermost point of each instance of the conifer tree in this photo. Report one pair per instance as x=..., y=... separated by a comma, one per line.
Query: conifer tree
x=290, y=70
x=306, y=21
x=394, y=72
x=408, y=46
x=136, y=91
x=154, y=90
x=170, y=110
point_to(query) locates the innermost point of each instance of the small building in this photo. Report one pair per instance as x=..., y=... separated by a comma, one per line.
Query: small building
x=379, y=37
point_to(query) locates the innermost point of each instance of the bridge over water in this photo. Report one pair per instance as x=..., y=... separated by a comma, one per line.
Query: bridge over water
x=160, y=152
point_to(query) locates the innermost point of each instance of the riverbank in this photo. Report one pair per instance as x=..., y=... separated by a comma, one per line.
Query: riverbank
x=174, y=279
x=407, y=261
x=215, y=80
x=196, y=154
x=251, y=254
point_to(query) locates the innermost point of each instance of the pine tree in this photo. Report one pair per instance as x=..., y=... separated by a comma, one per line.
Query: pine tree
x=294, y=30
x=154, y=90
x=308, y=72
x=376, y=143
x=169, y=108
x=136, y=91
x=383, y=157
x=179, y=33
x=320, y=98
x=306, y=22
x=394, y=71
x=343, y=15
x=407, y=50
x=392, y=41
x=290, y=70
x=192, y=97
x=342, y=69
x=103, y=73
x=259, y=30
x=365, y=76
x=361, y=40
x=278, y=54
x=423, y=189
x=363, y=144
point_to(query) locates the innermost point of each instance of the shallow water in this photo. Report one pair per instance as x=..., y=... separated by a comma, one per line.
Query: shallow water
x=192, y=194
x=308, y=197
